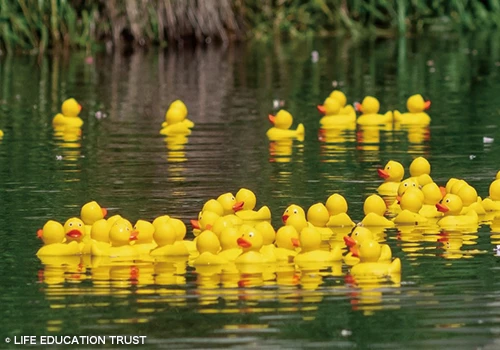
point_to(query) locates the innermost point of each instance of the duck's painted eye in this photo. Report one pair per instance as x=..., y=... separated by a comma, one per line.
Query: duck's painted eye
x=80, y=224
x=295, y=211
x=286, y=211
x=70, y=224
x=405, y=185
x=250, y=234
x=448, y=200
x=388, y=167
x=233, y=199
x=356, y=233
x=127, y=228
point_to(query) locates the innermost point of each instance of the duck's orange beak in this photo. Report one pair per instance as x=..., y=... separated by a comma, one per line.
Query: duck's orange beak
x=133, y=236
x=354, y=251
x=243, y=243
x=39, y=233
x=238, y=206
x=295, y=242
x=349, y=241
x=104, y=212
x=383, y=174
x=358, y=107
x=284, y=218
x=80, y=108
x=321, y=109
x=398, y=199
x=195, y=224
x=272, y=119
x=427, y=105
x=442, y=208
x=74, y=234
x=443, y=191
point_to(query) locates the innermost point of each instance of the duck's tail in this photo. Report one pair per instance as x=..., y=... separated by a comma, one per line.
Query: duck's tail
x=389, y=115
x=395, y=266
x=264, y=213
x=300, y=132
x=396, y=115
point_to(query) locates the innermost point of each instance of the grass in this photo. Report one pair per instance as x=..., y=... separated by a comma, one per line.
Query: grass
x=36, y=26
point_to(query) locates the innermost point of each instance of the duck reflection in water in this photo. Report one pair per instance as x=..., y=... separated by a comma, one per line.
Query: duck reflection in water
x=68, y=139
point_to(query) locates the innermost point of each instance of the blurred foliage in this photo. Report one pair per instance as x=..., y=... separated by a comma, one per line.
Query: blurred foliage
x=34, y=25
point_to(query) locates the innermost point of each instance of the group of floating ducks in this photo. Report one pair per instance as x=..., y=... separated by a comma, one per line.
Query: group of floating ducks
x=230, y=230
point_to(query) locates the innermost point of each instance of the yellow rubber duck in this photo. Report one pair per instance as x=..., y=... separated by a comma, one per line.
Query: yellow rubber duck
x=359, y=235
x=166, y=237
x=175, y=123
x=208, y=246
x=69, y=117
x=370, y=117
x=205, y=221
x=411, y=202
x=451, y=205
x=310, y=248
x=52, y=234
x=251, y=241
x=215, y=206
x=340, y=97
x=229, y=203
x=334, y=118
x=287, y=242
x=470, y=200
x=268, y=237
x=492, y=202
x=74, y=229
x=91, y=212
x=415, y=116
x=145, y=232
x=121, y=235
x=432, y=196
x=249, y=200
x=181, y=106
x=318, y=216
x=282, y=122
x=337, y=208
x=369, y=254
x=99, y=234
x=295, y=216
x=230, y=249
x=420, y=170
x=374, y=208
x=392, y=174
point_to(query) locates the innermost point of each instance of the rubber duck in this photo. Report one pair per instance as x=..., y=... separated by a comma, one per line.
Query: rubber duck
x=268, y=237
x=337, y=208
x=411, y=202
x=295, y=216
x=282, y=122
x=121, y=235
x=392, y=174
x=420, y=170
x=318, y=216
x=53, y=235
x=415, y=116
x=229, y=203
x=230, y=249
x=175, y=123
x=249, y=200
x=166, y=237
x=310, y=248
x=74, y=229
x=99, y=234
x=432, y=196
x=334, y=118
x=69, y=117
x=205, y=221
x=181, y=106
x=492, y=202
x=145, y=231
x=208, y=246
x=369, y=252
x=287, y=242
x=341, y=99
x=451, y=205
x=470, y=200
x=214, y=206
x=359, y=235
x=251, y=241
x=374, y=208
x=369, y=109
x=91, y=212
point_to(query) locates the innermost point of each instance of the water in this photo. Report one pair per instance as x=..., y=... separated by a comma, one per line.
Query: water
x=447, y=298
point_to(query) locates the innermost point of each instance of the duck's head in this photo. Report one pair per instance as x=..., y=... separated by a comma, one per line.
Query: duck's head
x=432, y=193
x=412, y=200
x=178, y=104
x=331, y=106
x=336, y=204
x=287, y=237
x=451, y=204
x=229, y=203
x=74, y=229
x=318, y=215
x=114, y=218
x=406, y=184
x=208, y=241
x=468, y=194
x=122, y=233
x=91, y=212
x=180, y=228
x=282, y=120
x=174, y=115
x=165, y=233
x=100, y=230
x=417, y=104
x=339, y=96
x=145, y=231
x=250, y=238
x=419, y=166
x=247, y=198
x=310, y=239
x=457, y=186
x=494, y=190
x=368, y=251
x=374, y=204
x=71, y=108
x=358, y=235
x=292, y=210
x=229, y=238
x=214, y=206
x=52, y=232
x=424, y=179
x=393, y=171
x=450, y=183
x=267, y=231
x=370, y=105
x=206, y=220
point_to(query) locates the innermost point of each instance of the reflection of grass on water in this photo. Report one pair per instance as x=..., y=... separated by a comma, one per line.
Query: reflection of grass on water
x=37, y=25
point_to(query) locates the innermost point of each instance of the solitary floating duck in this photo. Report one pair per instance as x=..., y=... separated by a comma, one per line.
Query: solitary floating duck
x=370, y=116
x=69, y=116
x=415, y=116
x=282, y=122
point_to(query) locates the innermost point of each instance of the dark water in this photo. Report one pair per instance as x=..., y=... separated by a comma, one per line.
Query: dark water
x=446, y=298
